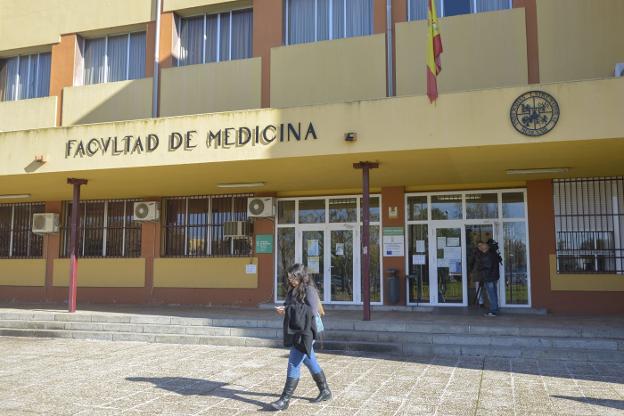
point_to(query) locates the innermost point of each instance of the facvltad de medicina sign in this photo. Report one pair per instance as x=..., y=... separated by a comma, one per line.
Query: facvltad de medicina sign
x=226, y=138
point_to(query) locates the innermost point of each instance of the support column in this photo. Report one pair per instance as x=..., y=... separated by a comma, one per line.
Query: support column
x=51, y=247
x=530, y=10
x=268, y=28
x=150, y=250
x=73, y=249
x=393, y=198
x=62, y=70
x=366, y=167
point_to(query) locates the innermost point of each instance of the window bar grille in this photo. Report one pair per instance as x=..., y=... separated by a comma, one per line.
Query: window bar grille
x=11, y=229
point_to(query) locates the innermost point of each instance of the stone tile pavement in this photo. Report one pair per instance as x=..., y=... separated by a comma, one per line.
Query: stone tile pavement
x=91, y=378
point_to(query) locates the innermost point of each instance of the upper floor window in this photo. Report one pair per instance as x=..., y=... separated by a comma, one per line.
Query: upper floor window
x=114, y=58
x=25, y=76
x=215, y=37
x=107, y=229
x=589, y=225
x=16, y=236
x=417, y=9
x=316, y=20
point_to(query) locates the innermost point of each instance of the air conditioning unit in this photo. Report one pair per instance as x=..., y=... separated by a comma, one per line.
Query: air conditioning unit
x=619, y=70
x=236, y=229
x=45, y=223
x=260, y=207
x=146, y=211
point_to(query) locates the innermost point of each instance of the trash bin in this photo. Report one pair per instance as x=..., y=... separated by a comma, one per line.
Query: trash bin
x=394, y=289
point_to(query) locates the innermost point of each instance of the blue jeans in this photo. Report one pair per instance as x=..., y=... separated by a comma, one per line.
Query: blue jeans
x=296, y=358
x=492, y=291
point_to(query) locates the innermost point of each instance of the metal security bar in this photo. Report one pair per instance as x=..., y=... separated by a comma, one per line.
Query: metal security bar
x=194, y=226
x=16, y=237
x=589, y=224
x=107, y=229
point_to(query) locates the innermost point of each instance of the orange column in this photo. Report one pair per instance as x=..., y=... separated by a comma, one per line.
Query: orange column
x=51, y=248
x=393, y=197
x=62, y=70
x=399, y=14
x=165, y=49
x=150, y=249
x=150, y=38
x=266, y=262
x=530, y=9
x=268, y=27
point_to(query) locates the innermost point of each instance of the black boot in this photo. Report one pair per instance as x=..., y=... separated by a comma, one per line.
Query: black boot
x=289, y=389
x=324, y=392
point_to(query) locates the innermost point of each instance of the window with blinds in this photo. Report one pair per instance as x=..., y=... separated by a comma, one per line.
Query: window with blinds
x=417, y=9
x=114, y=58
x=16, y=237
x=25, y=76
x=589, y=224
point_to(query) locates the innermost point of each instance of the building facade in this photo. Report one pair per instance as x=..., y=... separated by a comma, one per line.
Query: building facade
x=199, y=105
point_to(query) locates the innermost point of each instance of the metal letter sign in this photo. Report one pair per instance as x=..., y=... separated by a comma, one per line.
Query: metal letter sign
x=534, y=113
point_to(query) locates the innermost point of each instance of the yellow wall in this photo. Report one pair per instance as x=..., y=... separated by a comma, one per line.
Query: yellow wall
x=22, y=272
x=110, y=272
x=584, y=282
x=330, y=71
x=213, y=87
x=579, y=39
x=113, y=101
x=35, y=113
x=482, y=50
x=40, y=22
x=213, y=273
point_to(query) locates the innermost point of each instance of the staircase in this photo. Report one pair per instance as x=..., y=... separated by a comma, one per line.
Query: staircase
x=415, y=334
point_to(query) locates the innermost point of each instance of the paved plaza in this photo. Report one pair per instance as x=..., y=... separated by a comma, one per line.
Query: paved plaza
x=90, y=378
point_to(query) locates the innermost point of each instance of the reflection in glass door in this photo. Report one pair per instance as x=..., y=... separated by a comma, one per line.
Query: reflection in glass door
x=312, y=257
x=474, y=234
x=341, y=266
x=448, y=265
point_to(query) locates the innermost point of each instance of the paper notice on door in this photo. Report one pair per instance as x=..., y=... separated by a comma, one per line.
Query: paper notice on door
x=314, y=264
x=313, y=248
x=340, y=249
x=441, y=242
x=420, y=246
x=452, y=241
x=452, y=253
x=443, y=263
x=419, y=259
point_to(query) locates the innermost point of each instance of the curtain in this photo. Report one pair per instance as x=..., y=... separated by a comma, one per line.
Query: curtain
x=418, y=9
x=224, y=47
x=338, y=19
x=42, y=88
x=322, y=19
x=10, y=89
x=137, y=56
x=212, y=37
x=242, y=34
x=300, y=21
x=191, y=41
x=22, y=81
x=117, y=61
x=490, y=5
x=359, y=17
x=94, y=52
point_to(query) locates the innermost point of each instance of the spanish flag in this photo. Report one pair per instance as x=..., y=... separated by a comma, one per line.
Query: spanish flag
x=434, y=49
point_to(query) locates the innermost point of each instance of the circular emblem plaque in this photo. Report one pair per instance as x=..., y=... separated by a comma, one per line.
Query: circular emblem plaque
x=534, y=113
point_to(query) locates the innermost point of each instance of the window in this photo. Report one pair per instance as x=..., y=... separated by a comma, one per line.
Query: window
x=215, y=37
x=589, y=224
x=106, y=230
x=194, y=226
x=417, y=9
x=26, y=76
x=114, y=58
x=16, y=237
x=316, y=20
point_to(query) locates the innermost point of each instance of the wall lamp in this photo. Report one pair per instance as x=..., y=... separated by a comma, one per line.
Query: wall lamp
x=535, y=171
x=15, y=196
x=240, y=185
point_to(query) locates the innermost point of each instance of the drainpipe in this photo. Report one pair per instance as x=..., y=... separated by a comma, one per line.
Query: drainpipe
x=156, y=60
x=389, y=46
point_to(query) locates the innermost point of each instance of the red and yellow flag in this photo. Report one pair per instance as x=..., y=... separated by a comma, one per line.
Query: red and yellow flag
x=434, y=49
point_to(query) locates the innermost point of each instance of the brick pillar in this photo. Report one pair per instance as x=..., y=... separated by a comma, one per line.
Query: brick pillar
x=530, y=10
x=541, y=218
x=51, y=249
x=268, y=28
x=399, y=14
x=266, y=262
x=62, y=70
x=150, y=250
x=165, y=50
x=150, y=38
x=393, y=197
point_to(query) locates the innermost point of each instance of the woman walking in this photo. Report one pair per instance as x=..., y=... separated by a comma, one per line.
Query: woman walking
x=301, y=310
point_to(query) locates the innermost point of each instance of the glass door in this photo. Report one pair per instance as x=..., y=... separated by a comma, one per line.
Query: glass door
x=312, y=256
x=342, y=266
x=447, y=267
x=475, y=233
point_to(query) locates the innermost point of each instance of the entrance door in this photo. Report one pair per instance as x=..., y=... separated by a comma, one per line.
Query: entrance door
x=313, y=256
x=342, y=271
x=474, y=234
x=447, y=267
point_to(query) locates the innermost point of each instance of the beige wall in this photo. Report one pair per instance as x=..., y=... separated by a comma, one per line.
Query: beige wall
x=594, y=282
x=213, y=273
x=579, y=39
x=482, y=50
x=214, y=87
x=41, y=22
x=22, y=272
x=35, y=113
x=331, y=71
x=110, y=272
x=113, y=101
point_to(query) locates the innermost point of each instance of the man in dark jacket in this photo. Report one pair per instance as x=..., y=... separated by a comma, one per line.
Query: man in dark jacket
x=487, y=271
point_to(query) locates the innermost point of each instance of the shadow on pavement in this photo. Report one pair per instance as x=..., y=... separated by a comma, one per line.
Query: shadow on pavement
x=615, y=404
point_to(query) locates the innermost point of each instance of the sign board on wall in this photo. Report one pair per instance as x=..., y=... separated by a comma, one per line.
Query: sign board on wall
x=393, y=242
x=264, y=244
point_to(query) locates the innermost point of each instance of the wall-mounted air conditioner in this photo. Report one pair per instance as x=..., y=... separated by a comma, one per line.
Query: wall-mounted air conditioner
x=260, y=207
x=45, y=223
x=146, y=211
